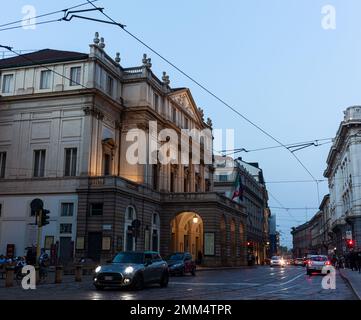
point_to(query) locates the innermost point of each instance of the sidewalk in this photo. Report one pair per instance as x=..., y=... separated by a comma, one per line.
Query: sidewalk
x=354, y=280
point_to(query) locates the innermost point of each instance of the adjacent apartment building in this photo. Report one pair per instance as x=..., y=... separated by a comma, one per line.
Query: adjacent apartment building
x=69, y=123
x=248, y=179
x=344, y=179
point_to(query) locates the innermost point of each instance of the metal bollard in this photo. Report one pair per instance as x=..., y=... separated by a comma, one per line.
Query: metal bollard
x=9, y=277
x=78, y=273
x=58, y=274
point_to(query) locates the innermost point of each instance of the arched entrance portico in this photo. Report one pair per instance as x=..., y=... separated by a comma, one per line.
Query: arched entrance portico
x=187, y=233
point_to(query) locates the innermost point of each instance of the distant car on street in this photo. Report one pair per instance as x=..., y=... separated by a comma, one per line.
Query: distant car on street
x=132, y=270
x=277, y=261
x=181, y=263
x=316, y=263
x=299, y=262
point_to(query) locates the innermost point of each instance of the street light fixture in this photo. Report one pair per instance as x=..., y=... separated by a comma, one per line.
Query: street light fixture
x=195, y=219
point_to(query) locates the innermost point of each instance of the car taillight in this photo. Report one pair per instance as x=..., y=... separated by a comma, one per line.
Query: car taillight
x=327, y=263
x=309, y=263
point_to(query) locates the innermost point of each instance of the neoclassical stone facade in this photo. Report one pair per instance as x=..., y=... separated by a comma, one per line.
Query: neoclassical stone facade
x=344, y=180
x=67, y=122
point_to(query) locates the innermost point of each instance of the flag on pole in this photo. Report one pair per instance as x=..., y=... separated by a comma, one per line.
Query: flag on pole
x=238, y=191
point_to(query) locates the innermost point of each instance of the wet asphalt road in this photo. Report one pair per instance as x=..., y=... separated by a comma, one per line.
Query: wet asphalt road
x=259, y=283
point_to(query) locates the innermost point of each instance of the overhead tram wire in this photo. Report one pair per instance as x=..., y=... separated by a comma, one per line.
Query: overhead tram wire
x=33, y=24
x=44, y=15
x=238, y=150
x=279, y=202
x=179, y=70
x=212, y=94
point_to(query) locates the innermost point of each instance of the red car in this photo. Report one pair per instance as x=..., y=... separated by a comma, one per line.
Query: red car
x=181, y=263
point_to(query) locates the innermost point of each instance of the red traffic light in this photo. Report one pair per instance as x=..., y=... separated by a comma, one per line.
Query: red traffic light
x=350, y=243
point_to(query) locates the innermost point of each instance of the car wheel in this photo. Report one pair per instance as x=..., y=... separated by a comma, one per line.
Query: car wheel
x=182, y=272
x=99, y=288
x=193, y=272
x=138, y=282
x=165, y=279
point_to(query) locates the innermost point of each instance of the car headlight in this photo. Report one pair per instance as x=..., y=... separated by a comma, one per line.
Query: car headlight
x=177, y=265
x=129, y=270
x=97, y=269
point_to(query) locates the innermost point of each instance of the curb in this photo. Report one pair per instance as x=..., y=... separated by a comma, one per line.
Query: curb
x=345, y=278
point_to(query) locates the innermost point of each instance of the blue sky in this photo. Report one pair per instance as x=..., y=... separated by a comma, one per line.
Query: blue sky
x=270, y=59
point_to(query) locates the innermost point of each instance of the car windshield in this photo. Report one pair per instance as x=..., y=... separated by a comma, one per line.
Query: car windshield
x=176, y=256
x=318, y=258
x=129, y=257
x=275, y=258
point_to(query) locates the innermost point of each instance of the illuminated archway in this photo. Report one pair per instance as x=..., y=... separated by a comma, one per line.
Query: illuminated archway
x=187, y=233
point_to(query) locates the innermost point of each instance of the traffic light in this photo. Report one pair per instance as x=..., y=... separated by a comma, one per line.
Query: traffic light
x=350, y=243
x=45, y=217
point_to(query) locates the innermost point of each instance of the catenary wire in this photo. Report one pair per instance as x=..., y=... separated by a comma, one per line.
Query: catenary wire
x=209, y=92
x=45, y=15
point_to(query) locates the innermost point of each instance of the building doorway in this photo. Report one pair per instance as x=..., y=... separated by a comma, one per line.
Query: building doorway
x=187, y=233
x=94, y=245
x=65, y=250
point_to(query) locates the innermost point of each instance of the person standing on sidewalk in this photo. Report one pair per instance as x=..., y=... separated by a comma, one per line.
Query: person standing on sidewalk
x=359, y=262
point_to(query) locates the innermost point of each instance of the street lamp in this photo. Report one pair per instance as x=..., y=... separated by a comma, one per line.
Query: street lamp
x=195, y=219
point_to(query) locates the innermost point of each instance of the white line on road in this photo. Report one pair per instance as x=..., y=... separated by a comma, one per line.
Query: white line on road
x=236, y=283
x=216, y=283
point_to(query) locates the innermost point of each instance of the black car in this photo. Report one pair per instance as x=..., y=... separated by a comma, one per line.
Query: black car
x=133, y=270
x=181, y=263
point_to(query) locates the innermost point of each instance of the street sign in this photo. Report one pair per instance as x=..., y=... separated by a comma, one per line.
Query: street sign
x=36, y=204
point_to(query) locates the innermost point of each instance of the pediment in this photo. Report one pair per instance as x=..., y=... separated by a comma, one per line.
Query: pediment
x=184, y=99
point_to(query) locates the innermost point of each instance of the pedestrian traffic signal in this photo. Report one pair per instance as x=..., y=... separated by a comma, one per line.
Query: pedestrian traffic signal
x=45, y=217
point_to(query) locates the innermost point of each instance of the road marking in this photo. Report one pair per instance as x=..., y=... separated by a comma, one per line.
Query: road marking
x=273, y=291
x=216, y=283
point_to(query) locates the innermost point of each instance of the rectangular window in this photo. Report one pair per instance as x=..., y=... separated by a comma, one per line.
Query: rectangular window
x=96, y=209
x=8, y=80
x=70, y=162
x=45, y=79
x=156, y=102
x=2, y=164
x=65, y=227
x=110, y=85
x=107, y=164
x=75, y=76
x=39, y=163
x=186, y=123
x=174, y=115
x=223, y=178
x=67, y=209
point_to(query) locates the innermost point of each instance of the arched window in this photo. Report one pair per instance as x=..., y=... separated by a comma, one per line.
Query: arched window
x=129, y=241
x=155, y=232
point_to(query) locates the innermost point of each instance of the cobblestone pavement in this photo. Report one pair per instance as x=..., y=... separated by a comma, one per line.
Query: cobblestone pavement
x=261, y=283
